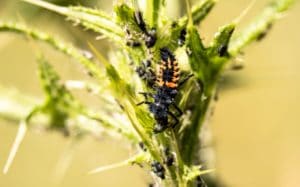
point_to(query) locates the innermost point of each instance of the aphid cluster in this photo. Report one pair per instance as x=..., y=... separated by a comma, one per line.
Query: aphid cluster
x=149, y=36
x=165, y=81
x=158, y=169
x=130, y=40
x=146, y=73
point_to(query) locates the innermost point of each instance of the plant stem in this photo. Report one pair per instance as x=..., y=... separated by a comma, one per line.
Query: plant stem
x=259, y=26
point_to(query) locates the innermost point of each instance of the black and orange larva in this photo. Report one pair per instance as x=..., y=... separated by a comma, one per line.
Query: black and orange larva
x=166, y=89
x=168, y=71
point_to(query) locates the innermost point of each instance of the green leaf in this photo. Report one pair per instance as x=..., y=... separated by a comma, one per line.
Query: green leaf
x=59, y=102
x=195, y=171
x=91, y=19
x=259, y=26
x=218, y=50
x=152, y=11
x=199, y=12
x=221, y=39
x=198, y=58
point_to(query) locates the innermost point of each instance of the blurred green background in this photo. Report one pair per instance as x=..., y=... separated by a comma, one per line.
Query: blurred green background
x=255, y=126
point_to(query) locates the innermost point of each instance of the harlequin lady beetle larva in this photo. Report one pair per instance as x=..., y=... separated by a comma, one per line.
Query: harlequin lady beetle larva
x=166, y=89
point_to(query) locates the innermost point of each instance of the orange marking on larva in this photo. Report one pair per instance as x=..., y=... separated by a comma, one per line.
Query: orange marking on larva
x=176, y=68
x=169, y=64
x=163, y=64
x=159, y=80
x=176, y=73
x=171, y=84
x=160, y=83
x=159, y=70
x=175, y=79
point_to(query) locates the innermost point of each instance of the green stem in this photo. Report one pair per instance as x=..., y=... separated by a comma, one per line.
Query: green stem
x=152, y=11
x=199, y=12
x=191, y=136
x=98, y=23
x=53, y=42
x=17, y=106
x=180, y=163
x=259, y=26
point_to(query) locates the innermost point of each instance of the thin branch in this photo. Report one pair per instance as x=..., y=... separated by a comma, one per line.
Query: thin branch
x=259, y=26
x=55, y=43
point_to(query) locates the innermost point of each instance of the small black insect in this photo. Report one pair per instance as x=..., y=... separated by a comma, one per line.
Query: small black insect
x=142, y=146
x=222, y=50
x=148, y=36
x=169, y=160
x=167, y=82
x=138, y=16
x=89, y=73
x=132, y=43
x=145, y=72
x=181, y=39
x=263, y=34
x=237, y=66
x=174, y=24
x=169, y=157
x=158, y=169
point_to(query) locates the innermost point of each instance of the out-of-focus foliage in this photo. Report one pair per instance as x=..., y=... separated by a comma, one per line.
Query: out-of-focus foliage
x=119, y=113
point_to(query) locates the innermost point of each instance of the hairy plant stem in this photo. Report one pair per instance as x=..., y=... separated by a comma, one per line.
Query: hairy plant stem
x=206, y=63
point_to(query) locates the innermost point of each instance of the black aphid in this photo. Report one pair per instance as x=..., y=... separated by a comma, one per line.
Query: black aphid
x=263, y=34
x=181, y=39
x=169, y=157
x=222, y=50
x=145, y=72
x=132, y=43
x=148, y=36
x=158, y=169
x=142, y=146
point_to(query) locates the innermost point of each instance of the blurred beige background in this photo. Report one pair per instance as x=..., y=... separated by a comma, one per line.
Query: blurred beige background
x=256, y=123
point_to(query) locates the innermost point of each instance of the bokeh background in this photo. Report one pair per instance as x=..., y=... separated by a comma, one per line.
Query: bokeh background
x=255, y=126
